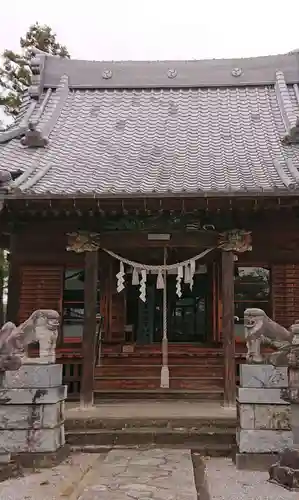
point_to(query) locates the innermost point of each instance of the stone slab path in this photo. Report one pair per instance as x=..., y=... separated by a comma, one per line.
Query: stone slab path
x=143, y=475
x=136, y=474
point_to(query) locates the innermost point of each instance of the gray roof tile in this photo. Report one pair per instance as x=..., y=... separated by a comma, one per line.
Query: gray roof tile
x=167, y=140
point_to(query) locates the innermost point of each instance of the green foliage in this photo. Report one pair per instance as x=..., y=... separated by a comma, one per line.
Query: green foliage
x=15, y=73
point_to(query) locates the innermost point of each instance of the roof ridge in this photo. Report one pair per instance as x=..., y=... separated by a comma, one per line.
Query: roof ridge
x=73, y=61
x=62, y=93
x=237, y=72
x=285, y=104
x=39, y=174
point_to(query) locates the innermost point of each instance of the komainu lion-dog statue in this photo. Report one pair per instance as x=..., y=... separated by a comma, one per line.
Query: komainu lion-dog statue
x=42, y=327
x=260, y=329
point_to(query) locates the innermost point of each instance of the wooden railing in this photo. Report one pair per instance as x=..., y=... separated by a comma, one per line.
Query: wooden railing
x=71, y=376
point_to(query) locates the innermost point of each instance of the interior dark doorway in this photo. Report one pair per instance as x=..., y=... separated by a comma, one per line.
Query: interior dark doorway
x=188, y=318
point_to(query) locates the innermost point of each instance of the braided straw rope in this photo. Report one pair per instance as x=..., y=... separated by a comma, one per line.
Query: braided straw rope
x=158, y=268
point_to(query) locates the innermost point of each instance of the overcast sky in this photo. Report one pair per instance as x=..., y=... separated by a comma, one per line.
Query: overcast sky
x=158, y=29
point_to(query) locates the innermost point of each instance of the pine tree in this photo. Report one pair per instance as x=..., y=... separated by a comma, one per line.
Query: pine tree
x=15, y=74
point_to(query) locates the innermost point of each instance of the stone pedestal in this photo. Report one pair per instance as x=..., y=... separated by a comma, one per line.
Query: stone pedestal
x=285, y=471
x=32, y=414
x=264, y=427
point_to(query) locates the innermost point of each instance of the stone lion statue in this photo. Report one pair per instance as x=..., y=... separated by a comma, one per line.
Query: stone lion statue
x=260, y=329
x=42, y=327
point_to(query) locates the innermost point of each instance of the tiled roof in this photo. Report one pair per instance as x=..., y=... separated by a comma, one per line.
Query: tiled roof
x=156, y=138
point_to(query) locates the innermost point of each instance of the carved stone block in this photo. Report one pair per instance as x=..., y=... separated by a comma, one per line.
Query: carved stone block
x=286, y=471
x=33, y=440
x=33, y=375
x=272, y=417
x=263, y=441
x=263, y=376
x=260, y=396
x=30, y=396
x=31, y=416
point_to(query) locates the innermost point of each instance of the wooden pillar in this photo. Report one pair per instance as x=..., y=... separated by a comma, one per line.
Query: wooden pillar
x=14, y=283
x=89, y=329
x=227, y=283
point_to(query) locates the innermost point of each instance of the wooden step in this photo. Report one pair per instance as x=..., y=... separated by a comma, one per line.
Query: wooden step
x=204, y=395
x=188, y=370
x=148, y=383
x=156, y=359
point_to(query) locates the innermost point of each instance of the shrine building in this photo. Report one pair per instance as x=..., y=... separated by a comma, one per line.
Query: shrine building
x=151, y=203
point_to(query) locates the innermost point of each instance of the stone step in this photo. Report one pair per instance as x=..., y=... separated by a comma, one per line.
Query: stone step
x=204, y=450
x=153, y=436
x=118, y=423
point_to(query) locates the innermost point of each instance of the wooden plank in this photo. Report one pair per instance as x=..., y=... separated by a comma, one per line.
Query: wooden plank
x=227, y=284
x=41, y=288
x=89, y=329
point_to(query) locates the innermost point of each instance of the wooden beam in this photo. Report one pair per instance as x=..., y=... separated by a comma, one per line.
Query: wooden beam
x=89, y=329
x=228, y=328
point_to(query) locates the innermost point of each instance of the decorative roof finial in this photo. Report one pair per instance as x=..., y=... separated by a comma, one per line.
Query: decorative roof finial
x=33, y=138
x=293, y=136
x=37, y=65
x=6, y=178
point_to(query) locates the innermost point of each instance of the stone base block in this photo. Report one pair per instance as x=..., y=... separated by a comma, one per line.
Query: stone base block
x=33, y=375
x=284, y=476
x=42, y=460
x=262, y=416
x=285, y=471
x=31, y=416
x=10, y=470
x=4, y=458
x=254, y=461
x=33, y=396
x=263, y=441
x=32, y=440
x=260, y=396
x=263, y=376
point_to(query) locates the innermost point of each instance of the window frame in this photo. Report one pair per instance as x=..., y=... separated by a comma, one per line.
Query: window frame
x=73, y=340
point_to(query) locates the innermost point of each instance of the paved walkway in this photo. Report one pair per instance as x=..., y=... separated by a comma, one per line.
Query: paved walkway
x=144, y=475
x=132, y=474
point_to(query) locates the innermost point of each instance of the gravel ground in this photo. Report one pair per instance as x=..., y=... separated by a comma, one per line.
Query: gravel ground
x=225, y=482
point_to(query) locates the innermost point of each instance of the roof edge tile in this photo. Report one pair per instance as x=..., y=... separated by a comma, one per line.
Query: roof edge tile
x=286, y=107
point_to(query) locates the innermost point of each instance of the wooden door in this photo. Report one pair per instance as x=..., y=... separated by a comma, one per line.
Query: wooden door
x=146, y=316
